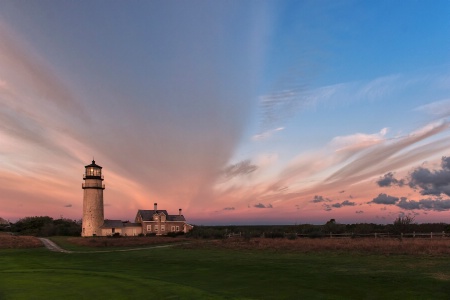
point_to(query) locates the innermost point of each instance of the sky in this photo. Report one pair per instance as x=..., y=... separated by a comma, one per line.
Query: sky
x=238, y=112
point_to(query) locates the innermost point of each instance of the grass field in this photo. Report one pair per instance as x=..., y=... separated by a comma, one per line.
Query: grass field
x=215, y=272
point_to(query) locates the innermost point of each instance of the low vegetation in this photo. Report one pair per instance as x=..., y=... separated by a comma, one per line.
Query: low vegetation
x=382, y=246
x=8, y=241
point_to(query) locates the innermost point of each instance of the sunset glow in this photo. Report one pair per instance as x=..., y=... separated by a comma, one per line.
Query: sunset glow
x=238, y=112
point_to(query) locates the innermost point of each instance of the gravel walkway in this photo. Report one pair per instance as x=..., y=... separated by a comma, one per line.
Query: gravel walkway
x=52, y=246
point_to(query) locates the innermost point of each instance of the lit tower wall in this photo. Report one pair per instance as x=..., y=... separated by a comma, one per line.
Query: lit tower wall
x=93, y=216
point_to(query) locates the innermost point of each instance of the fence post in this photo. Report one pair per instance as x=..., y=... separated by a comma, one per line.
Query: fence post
x=375, y=235
x=443, y=234
x=431, y=235
x=401, y=234
x=414, y=234
x=331, y=235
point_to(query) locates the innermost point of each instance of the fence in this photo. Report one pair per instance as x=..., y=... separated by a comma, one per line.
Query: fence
x=430, y=235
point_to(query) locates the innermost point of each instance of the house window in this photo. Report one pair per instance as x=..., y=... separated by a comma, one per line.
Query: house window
x=149, y=227
x=163, y=227
x=156, y=227
x=178, y=228
x=113, y=230
x=173, y=228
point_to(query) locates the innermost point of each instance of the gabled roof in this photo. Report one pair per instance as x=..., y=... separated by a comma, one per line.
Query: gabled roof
x=112, y=224
x=147, y=215
x=175, y=218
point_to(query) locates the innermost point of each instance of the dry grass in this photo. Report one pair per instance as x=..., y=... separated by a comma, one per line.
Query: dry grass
x=8, y=241
x=363, y=245
x=101, y=242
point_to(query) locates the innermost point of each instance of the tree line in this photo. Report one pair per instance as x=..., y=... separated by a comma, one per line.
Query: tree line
x=403, y=224
x=44, y=226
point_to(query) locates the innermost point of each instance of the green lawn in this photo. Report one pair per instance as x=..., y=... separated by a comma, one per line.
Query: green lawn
x=174, y=273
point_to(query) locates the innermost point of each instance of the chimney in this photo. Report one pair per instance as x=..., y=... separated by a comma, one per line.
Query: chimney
x=179, y=212
x=156, y=206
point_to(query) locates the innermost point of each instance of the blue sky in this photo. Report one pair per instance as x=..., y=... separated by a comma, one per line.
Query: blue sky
x=237, y=112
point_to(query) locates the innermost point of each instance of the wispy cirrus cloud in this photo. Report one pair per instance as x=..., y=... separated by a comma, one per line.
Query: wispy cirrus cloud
x=267, y=134
x=438, y=108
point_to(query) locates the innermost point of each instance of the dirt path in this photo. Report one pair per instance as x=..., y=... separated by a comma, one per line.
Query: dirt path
x=52, y=246
x=55, y=248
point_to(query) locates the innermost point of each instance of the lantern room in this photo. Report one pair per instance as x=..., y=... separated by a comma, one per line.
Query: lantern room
x=93, y=171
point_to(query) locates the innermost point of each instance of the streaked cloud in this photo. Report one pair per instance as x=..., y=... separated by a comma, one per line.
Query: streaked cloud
x=244, y=167
x=438, y=108
x=267, y=134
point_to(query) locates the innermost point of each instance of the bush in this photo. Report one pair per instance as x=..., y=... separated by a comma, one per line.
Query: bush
x=175, y=233
x=274, y=235
x=316, y=234
x=291, y=236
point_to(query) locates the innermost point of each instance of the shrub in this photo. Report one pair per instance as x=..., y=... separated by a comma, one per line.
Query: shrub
x=316, y=234
x=291, y=236
x=274, y=235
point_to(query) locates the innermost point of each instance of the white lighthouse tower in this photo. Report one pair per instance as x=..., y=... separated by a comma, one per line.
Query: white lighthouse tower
x=93, y=216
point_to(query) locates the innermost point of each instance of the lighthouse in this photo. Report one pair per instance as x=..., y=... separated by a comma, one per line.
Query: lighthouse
x=93, y=216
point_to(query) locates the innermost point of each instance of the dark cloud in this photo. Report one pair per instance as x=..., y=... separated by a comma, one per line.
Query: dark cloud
x=344, y=203
x=343, y=191
x=260, y=205
x=318, y=199
x=68, y=205
x=359, y=212
x=228, y=208
x=405, y=204
x=389, y=180
x=241, y=168
x=425, y=204
x=432, y=182
x=326, y=207
x=384, y=199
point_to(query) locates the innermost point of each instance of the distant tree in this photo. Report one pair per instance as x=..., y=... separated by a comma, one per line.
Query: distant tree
x=333, y=226
x=404, y=224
